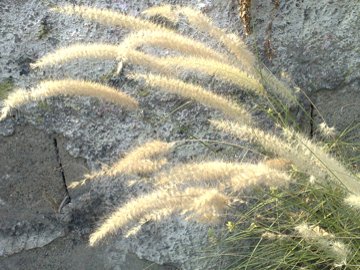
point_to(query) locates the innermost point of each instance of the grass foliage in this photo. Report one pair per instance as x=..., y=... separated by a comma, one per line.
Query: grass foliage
x=303, y=211
x=270, y=231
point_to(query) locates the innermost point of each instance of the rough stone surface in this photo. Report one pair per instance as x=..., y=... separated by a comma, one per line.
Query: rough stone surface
x=316, y=46
x=316, y=43
x=31, y=191
x=340, y=109
x=72, y=252
x=313, y=44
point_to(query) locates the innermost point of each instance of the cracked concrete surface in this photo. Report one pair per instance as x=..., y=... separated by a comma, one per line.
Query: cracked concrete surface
x=315, y=46
x=31, y=191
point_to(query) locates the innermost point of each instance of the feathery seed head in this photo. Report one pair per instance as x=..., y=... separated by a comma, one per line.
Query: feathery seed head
x=203, y=23
x=268, y=141
x=211, y=171
x=324, y=241
x=326, y=131
x=316, y=157
x=312, y=179
x=353, y=200
x=219, y=69
x=83, y=88
x=312, y=232
x=340, y=252
x=278, y=164
x=77, y=184
x=259, y=174
x=127, y=166
x=15, y=99
x=221, y=174
x=144, y=159
x=208, y=207
x=274, y=236
x=96, y=50
x=196, y=93
x=313, y=160
x=67, y=87
x=139, y=58
x=164, y=202
x=167, y=65
x=277, y=87
x=151, y=149
x=234, y=44
x=165, y=11
x=106, y=16
x=170, y=40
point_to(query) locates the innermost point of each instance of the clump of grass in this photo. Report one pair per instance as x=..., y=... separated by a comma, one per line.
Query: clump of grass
x=305, y=227
x=294, y=222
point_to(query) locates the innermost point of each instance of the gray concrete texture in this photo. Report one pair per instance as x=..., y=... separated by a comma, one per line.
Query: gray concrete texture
x=311, y=44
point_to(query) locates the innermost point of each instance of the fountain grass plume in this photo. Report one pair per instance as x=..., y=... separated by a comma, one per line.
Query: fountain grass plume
x=164, y=201
x=173, y=41
x=106, y=16
x=319, y=158
x=101, y=51
x=142, y=160
x=219, y=69
x=325, y=242
x=313, y=160
x=52, y=88
x=195, y=92
x=203, y=23
x=220, y=174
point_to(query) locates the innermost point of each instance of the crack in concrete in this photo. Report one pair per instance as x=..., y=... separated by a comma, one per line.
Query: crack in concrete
x=67, y=197
x=312, y=120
